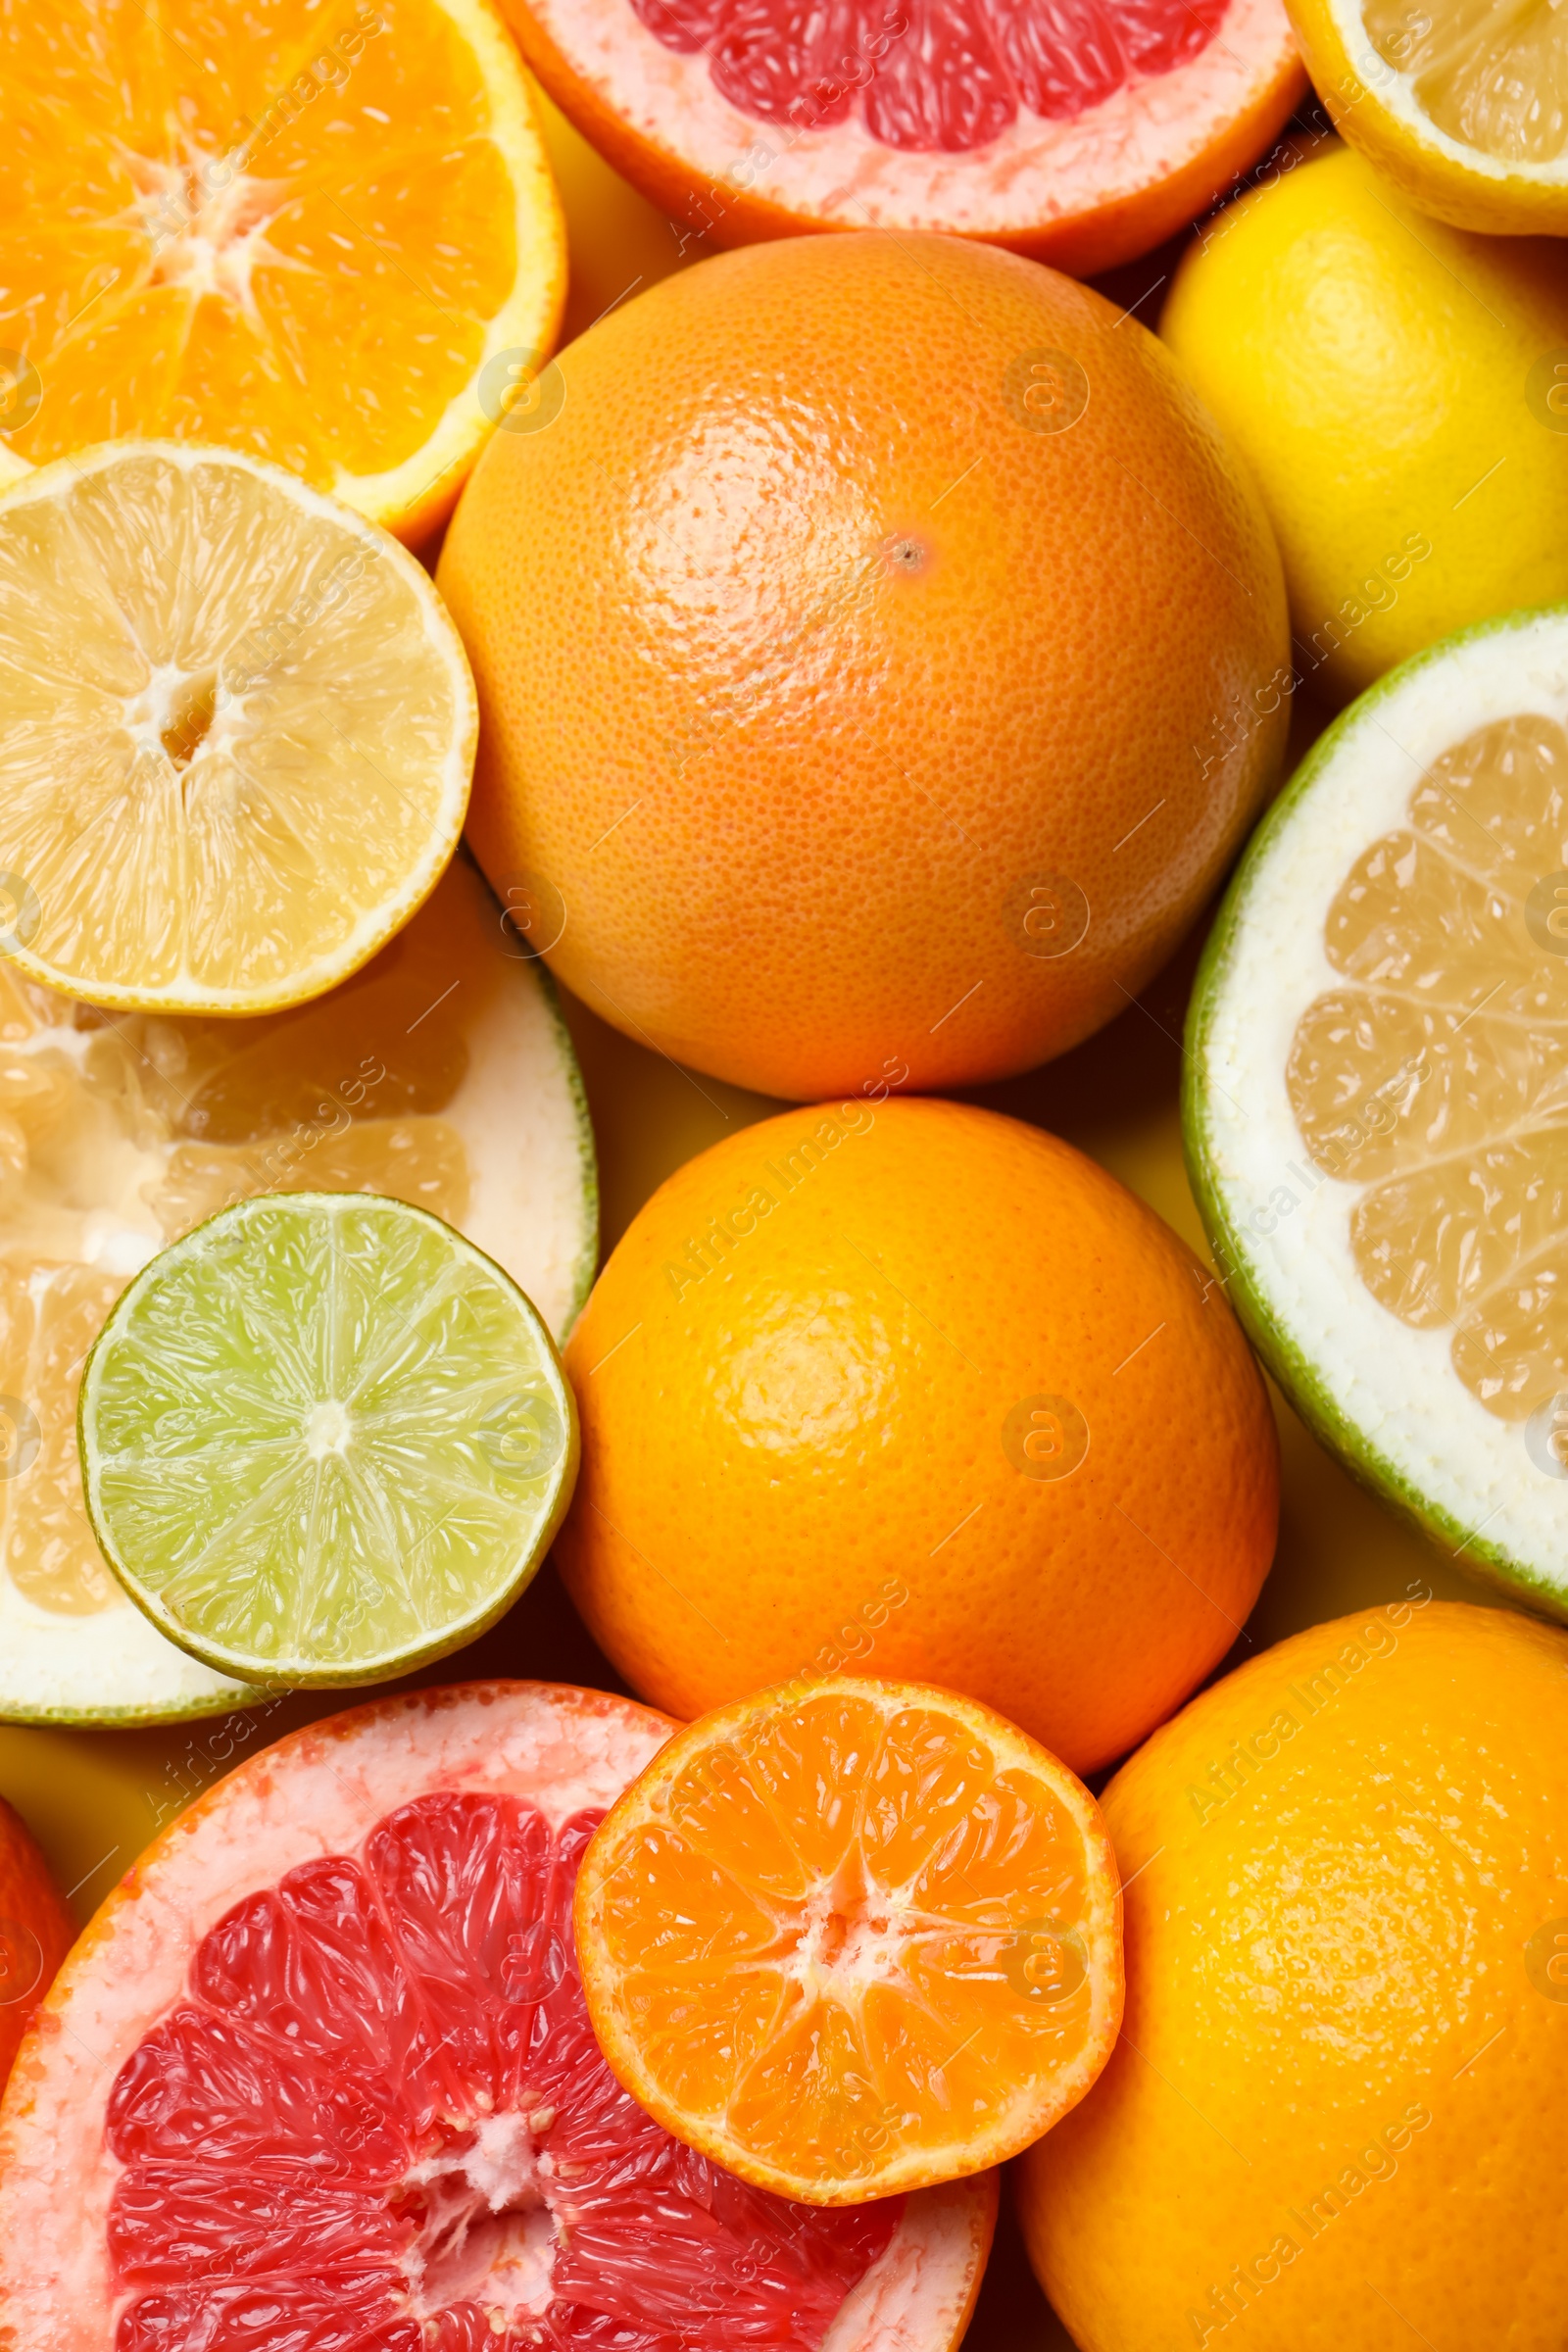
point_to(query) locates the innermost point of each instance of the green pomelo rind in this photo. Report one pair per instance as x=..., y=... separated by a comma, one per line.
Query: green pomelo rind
x=273, y=1675
x=1290, y=1366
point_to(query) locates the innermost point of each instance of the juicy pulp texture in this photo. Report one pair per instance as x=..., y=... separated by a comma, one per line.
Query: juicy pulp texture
x=855, y=1941
x=380, y=2115
x=1493, y=78
x=1435, y=1078
x=460, y=1984
x=867, y=115
x=293, y=234
x=325, y=1439
x=243, y=704
x=949, y=79
x=440, y=1075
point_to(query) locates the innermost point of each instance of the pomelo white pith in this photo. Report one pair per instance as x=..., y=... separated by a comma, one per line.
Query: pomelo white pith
x=321, y=2062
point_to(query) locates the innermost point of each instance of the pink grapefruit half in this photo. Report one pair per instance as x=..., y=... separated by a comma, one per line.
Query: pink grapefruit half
x=319, y=2078
x=1082, y=133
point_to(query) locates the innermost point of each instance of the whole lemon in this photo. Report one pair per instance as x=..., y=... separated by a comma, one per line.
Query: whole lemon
x=880, y=654
x=910, y=1389
x=1401, y=392
x=1337, y=2114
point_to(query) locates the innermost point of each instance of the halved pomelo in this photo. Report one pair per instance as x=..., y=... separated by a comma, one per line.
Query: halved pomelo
x=441, y=1074
x=1082, y=133
x=1377, y=1100
x=323, y=236
x=1465, y=106
x=319, y=2075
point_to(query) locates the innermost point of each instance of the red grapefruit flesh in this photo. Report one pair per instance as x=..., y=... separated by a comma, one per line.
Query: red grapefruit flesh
x=1080, y=132
x=320, y=2079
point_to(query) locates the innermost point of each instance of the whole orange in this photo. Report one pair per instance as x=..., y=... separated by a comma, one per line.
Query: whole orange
x=880, y=655
x=915, y=1390
x=1339, y=2111
x=35, y=1932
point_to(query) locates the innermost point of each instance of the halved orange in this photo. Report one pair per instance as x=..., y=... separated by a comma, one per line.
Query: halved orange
x=848, y=1938
x=325, y=235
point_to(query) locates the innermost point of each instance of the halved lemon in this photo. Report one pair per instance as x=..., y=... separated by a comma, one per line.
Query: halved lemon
x=1462, y=103
x=329, y=237
x=325, y=1439
x=849, y=1938
x=238, y=732
x=1377, y=1112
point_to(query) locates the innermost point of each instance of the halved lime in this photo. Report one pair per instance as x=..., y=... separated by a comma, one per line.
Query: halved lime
x=325, y=1439
x=1377, y=1095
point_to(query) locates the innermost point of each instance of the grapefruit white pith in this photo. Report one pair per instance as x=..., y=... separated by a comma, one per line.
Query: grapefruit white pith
x=321, y=2065
x=1082, y=135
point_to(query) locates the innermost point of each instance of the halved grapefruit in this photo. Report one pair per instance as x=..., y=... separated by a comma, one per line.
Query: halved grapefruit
x=319, y=2075
x=1080, y=132
x=35, y=1931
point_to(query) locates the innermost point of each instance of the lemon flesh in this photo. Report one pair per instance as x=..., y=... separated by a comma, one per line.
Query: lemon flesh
x=239, y=732
x=1462, y=105
x=325, y=1439
x=1377, y=1118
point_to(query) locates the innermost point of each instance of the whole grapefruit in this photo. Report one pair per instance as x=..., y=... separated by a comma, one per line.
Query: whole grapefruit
x=36, y=1932
x=1339, y=2111
x=880, y=654
x=916, y=1390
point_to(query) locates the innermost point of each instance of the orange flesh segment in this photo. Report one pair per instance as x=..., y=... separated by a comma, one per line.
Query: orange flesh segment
x=1435, y=1079
x=1494, y=78
x=835, y=1936
x=276, y=230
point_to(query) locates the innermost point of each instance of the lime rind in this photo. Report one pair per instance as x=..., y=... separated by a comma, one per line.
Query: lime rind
x=325, y=1439
x=1247, y=1272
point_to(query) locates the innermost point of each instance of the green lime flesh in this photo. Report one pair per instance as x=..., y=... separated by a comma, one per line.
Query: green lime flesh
x=1292, y=1365
x=325, y=1439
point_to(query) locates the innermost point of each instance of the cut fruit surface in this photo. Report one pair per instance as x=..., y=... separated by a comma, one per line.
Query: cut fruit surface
x=1462, y=103
x=343, y=2090
x=325, y=1439
x=442, y=1074
x=35, y=1932
x=851, y=1938
x=305, y=235
x=242, y=702
x=1082, y=135
x=1376, y=1106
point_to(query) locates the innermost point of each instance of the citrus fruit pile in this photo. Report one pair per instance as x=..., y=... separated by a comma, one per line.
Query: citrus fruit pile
x=860, y=670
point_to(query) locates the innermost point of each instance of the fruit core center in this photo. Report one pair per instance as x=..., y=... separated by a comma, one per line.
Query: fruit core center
x=206, y=224
x=847, y=1934
x=328, y=1429
x=174, y=713
x=487, y=2234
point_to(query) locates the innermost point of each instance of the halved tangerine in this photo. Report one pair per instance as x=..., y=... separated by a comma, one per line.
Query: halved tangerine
x=1082, y=133
x=851, y=1938
x=319, y=2075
